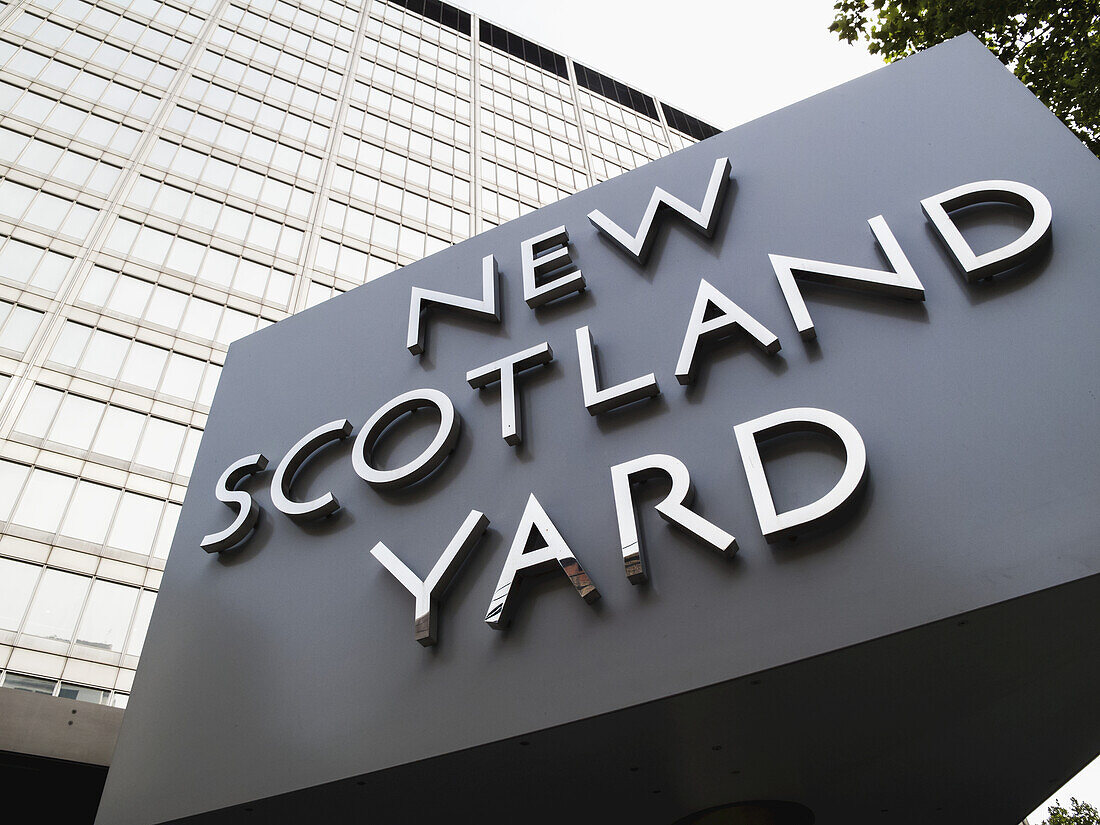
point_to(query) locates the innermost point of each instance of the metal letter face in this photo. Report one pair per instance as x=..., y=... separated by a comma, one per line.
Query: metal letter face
x=705, y=219
x=427, y=592
x=732, y=319
x=505, y=370
x=249, y=512
x=555, y=554
x=487, y=307
x=423, y=465
x=901, y=283
x=297, y=456
x=598, y=401
x=775, y=525
x=673, y=509
x=569, y=278
x=976, y=267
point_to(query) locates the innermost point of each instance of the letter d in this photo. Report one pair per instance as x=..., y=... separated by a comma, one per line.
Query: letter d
x=775, y=525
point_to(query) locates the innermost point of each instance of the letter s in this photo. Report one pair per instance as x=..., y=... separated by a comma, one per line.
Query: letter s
x=249, y=511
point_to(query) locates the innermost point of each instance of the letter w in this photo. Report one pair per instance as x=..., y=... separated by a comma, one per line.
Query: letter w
x=704, y=218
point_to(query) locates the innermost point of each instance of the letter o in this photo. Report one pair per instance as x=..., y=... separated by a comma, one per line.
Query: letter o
x=423, y=465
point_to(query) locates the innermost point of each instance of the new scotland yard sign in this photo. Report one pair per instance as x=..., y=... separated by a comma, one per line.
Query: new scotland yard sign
x=550, y=274
x=901, y=267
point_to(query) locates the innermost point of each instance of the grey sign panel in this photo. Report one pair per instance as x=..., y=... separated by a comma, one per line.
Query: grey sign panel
x=292, y=661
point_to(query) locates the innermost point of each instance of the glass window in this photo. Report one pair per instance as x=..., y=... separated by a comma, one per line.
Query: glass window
x=17, y=328
x=16, y=585
x=201, y=318
x=190, y=450
x=56, y=605
x=81, y=693
x=38, y=411
x=119, y=433
x=107, y=616
x=151, y=245
x=144, y=365
x=167, y=530
x=76, y=422
x=11, y=144
x=44, y=500
x=32, y=684
x=141, y=623
x=12, y=477
x=136, y=523
x=160, y=445
x=97, y=286
x=183, y=375
x=185, y=256
x=103, y=178
x=235, y=325
x=90, y=512
x=105, y=353
x=166, y=307
x=41, y=157
x=70, y=344
x=14, y=199
x=130, y=296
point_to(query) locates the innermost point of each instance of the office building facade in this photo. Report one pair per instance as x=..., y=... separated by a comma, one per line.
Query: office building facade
x=173, y=177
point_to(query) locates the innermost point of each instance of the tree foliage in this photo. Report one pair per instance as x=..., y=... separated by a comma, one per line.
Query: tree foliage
x=1081, y=813
x=1052, y=45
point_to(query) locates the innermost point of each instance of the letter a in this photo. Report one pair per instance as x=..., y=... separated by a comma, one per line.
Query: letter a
x=700, y=329
x=554, y=554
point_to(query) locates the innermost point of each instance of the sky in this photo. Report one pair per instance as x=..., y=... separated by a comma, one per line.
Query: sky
x=724, y=61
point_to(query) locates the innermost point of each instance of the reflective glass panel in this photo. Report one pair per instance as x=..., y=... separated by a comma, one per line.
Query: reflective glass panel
x=16, y=585
x=44, y=500
x=56, y=605
x=107, y=616
x=141, y=623
x=90, y=512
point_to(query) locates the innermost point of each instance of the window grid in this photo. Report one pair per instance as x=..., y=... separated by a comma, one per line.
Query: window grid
x=95, y=620
x=401, y=184
x=115, y=359
x=18, y=325
x=32, y=267
x=530, y=141
x=619, y=138
x=158, y=445
x=135, y=525
x=205, y=317
x=62, y=120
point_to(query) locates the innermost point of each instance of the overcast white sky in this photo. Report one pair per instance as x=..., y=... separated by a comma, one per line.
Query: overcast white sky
x=725, y=61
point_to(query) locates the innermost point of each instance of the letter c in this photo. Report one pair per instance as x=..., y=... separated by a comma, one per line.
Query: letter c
x=293, y=460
